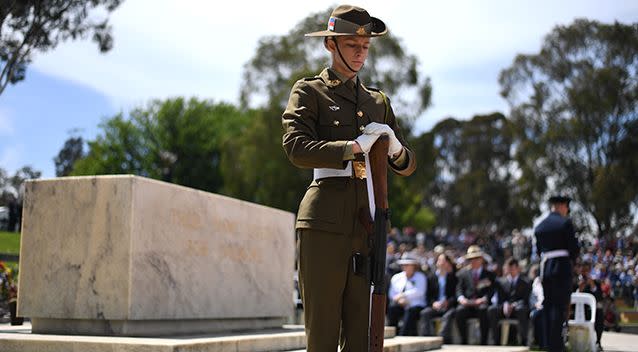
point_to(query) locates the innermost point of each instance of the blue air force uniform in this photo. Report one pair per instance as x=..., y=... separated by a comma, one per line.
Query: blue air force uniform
x=556, y=242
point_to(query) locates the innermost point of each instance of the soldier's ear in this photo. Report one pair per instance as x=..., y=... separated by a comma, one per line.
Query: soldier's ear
x=329, y=43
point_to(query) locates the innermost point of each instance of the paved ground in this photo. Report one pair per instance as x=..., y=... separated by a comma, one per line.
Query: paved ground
x=619, y=342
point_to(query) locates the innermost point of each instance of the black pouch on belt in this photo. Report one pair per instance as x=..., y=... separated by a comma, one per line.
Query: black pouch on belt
x=360, y=265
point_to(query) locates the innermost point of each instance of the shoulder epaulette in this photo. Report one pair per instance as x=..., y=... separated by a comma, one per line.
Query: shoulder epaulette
x=385, y=101
x=311, y=78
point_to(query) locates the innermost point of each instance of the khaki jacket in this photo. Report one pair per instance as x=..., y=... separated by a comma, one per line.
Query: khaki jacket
x=322, y=115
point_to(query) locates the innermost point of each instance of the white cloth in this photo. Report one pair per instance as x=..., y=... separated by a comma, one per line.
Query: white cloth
x=413, y=289
x=370, y=187
x=366, y=141
x=537, y=296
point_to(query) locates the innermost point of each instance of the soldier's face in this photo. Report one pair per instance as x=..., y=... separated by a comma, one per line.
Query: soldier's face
x=354, y=50
x=562, y=209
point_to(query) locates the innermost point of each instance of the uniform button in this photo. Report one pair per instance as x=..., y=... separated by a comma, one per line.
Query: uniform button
x=361, y=128
x=360, y=113
x=336, y=122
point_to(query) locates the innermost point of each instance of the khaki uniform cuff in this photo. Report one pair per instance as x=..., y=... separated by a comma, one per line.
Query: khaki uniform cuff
x=401, y=161
x=348, y=154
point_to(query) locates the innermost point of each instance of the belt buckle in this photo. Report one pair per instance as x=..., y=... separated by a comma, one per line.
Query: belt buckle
x=359, y=168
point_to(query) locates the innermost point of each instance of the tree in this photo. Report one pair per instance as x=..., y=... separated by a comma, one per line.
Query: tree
x=476, y=184
x=12, y=193
x=72, y=151
x=281, y=60
x=257, y=169
x=27, y=26
x=178, y=141
x=574, y=105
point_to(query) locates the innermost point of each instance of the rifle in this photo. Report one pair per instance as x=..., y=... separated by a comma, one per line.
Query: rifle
x=378, y=157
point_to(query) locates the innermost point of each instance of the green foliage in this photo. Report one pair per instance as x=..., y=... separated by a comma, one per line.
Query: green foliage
x=9, y=242
x=574, y=107
x=72, y=151
x=258, y=169
x=178, y=141
x=475, y=182
x=28, y=26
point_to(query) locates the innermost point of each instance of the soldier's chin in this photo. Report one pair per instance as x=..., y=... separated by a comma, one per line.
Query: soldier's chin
x=357, y=66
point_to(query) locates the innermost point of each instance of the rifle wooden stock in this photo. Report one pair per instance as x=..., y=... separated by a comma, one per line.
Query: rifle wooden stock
x=379, y=167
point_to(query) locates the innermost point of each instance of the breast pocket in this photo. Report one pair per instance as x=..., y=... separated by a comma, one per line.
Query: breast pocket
x=336, y=125
x=323, y=202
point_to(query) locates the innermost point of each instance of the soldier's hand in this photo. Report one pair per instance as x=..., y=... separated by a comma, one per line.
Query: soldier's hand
x=381, y=128
x=365, y=141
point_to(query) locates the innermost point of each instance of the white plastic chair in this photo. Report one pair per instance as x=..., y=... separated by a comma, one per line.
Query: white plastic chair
x=580, y=300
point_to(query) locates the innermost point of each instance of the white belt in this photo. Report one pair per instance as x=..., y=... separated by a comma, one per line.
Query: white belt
x=554, y=254
x=323, y=173
x=557, y=253
x=347, y=172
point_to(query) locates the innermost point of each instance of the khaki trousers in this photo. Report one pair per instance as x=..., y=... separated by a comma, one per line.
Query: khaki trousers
x=336, y=301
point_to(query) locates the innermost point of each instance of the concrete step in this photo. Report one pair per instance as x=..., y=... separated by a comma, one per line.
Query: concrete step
x=408, y=344
x=474, y=348
x=290, y=338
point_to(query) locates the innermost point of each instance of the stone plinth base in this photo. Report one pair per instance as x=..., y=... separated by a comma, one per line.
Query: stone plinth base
x=149, y=327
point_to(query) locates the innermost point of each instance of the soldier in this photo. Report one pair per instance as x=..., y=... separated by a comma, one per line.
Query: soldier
x=558, y=248
x=331, y=120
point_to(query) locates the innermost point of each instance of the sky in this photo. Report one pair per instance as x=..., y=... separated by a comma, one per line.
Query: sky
x=197, y=48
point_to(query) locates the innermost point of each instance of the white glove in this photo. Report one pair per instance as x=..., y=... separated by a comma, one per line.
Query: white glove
x=381, y=128
x=366, y=141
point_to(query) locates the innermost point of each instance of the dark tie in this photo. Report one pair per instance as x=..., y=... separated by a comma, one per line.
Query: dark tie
x=350, y=84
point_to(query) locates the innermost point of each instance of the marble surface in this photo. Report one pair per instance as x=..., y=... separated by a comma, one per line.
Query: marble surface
x=126, y=248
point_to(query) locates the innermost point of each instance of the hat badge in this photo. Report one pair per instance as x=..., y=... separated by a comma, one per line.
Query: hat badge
x=361, y=30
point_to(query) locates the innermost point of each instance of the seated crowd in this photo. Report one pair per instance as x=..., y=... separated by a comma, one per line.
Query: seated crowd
x=434, y=292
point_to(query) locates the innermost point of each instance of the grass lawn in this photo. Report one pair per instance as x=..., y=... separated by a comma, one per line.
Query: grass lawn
x=9, y=242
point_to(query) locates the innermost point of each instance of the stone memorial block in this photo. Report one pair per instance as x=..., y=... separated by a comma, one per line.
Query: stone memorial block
x=127, y=255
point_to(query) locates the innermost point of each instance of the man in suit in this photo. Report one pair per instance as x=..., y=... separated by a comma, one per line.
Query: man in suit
x=441, y=299
x=330, y=123
x=474, y=291
x=511, y=301
x=556, y=242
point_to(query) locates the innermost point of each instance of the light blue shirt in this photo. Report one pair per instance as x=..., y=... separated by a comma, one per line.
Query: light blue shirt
x=442, y=282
